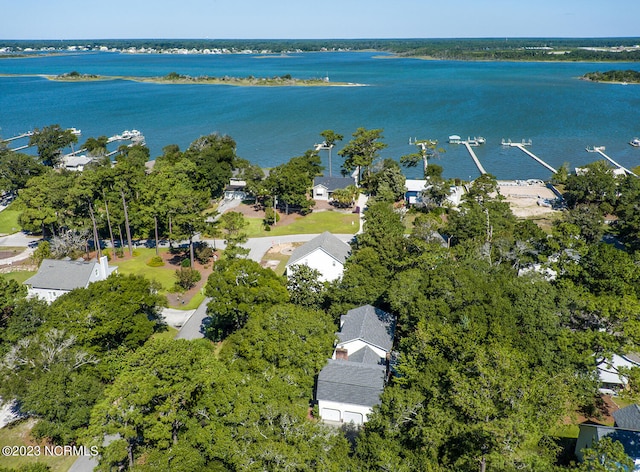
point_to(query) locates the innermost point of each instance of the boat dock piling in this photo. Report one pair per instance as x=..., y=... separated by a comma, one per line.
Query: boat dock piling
x=521, y=146
x=474, y=157
x=600, y=150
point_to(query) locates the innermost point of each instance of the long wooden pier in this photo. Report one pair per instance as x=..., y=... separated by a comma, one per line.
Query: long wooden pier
x=474, y=157
x=600, y=150
x=24, y=135
x=536, y=158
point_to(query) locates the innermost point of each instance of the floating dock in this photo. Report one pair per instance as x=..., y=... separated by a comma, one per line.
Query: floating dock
x=521, y=146
x=474, y=157
x=600, y=150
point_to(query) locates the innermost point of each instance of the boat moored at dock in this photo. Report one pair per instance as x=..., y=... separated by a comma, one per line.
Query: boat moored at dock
x=635, y=142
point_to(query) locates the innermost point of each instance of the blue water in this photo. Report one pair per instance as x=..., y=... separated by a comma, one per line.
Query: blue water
x=543, y=102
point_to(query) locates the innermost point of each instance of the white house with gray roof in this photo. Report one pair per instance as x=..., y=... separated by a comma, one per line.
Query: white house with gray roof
x=57, y=277
x=352, y=381
x=323, y=187
x=325, y=253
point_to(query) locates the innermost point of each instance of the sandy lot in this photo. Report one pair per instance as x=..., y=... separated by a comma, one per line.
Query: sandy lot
x=524, y=199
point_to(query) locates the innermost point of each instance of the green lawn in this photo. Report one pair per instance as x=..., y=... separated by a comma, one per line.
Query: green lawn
x=316, y=222
x=19, y=276
x=9, y=220
x=164, y=275
x=20, y=435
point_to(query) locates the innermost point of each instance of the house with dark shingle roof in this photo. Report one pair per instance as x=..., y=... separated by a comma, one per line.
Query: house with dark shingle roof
x=57, y=277
x=325, y=253
x=351, y=383
x=628, y=417
x=323, y=187
x=590, y=434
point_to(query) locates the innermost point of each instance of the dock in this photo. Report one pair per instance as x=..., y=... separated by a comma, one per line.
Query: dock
x=474, y=157
x=600, y=150
x=24, y=135
x=521, y=146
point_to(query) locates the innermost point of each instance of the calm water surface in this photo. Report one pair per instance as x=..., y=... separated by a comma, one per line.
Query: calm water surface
x=543, y=102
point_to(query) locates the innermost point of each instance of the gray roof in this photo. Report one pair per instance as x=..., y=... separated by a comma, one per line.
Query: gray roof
x=366, y=355
x=369, y=324
x=62, y=275
x=337, y=249
x=334, y=183
x=629, y=439
x=628, y=417
x=351, y=382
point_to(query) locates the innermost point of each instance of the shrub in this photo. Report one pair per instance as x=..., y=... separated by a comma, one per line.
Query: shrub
x=203, y=252
x=187, y=278
x=185, y=262
x=155, y=261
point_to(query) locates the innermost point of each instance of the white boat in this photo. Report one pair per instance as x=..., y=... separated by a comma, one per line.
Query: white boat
x=480, y=140
x=455, y=139
x=635, y=142
x=595, y=148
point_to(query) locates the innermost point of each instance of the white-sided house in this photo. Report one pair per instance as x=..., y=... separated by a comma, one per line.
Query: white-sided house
x=325, y=253
x=351, y=383
x=414, y=190
x=236, y=190
x=611, y=381
x=590, y=434
x=323, y=187
x=57, y=277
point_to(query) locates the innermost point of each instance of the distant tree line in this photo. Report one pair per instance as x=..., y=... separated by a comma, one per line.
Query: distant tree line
x=453, y=49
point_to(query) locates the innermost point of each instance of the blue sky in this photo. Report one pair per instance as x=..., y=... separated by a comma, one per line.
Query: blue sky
x=91, y=19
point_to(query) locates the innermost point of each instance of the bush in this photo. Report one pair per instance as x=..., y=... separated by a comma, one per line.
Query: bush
x=185, y=262
x=203, y=252
x=187, y=278
x=155, y=261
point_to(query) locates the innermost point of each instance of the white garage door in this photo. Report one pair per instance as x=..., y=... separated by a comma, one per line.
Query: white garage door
x=330, y=414
x=352, y=417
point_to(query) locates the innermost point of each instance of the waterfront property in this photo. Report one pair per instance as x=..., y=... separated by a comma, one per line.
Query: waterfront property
x=323, y=187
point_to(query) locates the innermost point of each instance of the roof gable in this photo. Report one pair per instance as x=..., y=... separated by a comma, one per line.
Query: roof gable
x=62, y=275
x=333, y=183
x=328, y=243
x=370, y=324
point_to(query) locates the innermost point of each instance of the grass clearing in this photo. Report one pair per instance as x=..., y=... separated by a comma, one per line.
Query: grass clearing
x=316, y=222
x=19, y=276
x=9, y=220
x=19, y=434
x=164, y=275
x=168, y=334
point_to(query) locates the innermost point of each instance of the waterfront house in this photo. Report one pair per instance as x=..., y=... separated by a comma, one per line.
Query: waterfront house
x=349, y=386
x=323, y=187
x=236, y=190
x=414, y=187
x=325, y=253
x=57, y=277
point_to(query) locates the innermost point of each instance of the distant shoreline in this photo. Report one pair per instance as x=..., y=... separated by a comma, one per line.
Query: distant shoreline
x=183, y=80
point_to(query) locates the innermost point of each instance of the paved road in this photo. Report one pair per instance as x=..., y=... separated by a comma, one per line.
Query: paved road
x=194, y=327
x=19, y=240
